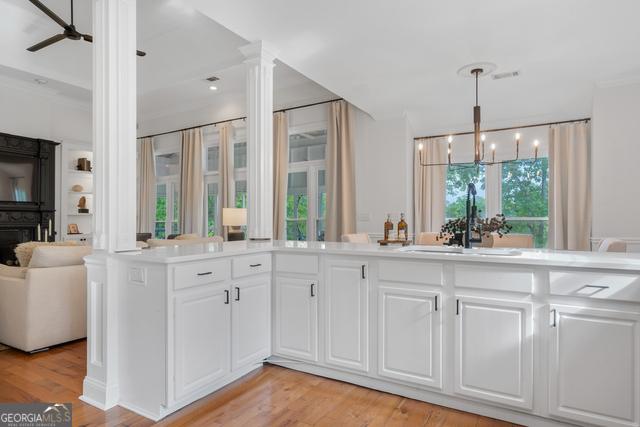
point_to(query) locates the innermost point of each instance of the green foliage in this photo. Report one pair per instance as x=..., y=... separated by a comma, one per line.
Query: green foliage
x=525, y=190
x=458, y=178
x=297, y=214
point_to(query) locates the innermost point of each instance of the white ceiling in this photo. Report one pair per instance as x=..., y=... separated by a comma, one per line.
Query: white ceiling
x=394, y=58
x=183, y=48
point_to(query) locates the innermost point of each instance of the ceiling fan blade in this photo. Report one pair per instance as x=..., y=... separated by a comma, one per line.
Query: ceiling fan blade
x=47, y=42
x=49, y=13
x=89, y=38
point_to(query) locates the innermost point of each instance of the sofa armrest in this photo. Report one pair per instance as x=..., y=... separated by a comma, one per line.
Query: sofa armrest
x=47, y=308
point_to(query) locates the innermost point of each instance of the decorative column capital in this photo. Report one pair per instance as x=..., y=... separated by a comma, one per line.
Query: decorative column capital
x=259, y=51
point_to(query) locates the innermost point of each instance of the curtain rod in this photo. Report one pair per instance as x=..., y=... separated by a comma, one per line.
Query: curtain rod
x=586, y=119
x=238, y=118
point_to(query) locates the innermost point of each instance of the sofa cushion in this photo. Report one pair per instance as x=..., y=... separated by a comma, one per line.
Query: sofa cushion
x=24, y=250
x=187, y=236
x=10, y=271
x=52, y=256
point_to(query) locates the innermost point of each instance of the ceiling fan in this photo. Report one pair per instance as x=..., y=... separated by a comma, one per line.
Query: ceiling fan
x=69, y=32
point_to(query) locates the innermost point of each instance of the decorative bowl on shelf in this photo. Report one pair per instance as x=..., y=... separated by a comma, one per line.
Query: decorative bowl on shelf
x=77, y=188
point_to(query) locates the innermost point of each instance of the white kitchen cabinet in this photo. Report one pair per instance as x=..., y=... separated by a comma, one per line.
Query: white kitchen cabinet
x=250, y=320
x=296, y=318
x=494, y=350
x=202, y=339
x=346, y=314
x=410, y=334
x=594, y=365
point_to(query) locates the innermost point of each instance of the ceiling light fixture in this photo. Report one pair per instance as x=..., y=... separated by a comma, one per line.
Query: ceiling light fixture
x=478, y=137
x=212, y=87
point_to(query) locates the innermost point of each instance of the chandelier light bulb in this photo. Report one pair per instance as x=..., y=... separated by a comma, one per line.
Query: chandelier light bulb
x=420, y=146
x=518, y=136
x=536, y=143
x=493, y=147
x=483, y=137
x=450, y=139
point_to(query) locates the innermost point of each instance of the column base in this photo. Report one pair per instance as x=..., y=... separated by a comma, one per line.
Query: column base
x=96, y=393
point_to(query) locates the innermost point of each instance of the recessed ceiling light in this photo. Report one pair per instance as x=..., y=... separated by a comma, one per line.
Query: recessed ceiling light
x=41, y=81
x=213, y=87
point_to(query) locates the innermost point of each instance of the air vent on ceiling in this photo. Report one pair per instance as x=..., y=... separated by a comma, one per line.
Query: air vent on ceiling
x=506, y=75
x=212, y=79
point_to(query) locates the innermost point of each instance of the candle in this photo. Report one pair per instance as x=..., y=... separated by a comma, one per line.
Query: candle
x=535, y=145
x=50, y=228
x=420, y=152
x=38, y=234
x=493, y=153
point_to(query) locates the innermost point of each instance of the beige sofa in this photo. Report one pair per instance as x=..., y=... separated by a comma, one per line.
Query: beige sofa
x=44, y=304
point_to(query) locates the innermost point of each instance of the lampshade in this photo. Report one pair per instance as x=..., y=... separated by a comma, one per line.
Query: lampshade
x=234, y=217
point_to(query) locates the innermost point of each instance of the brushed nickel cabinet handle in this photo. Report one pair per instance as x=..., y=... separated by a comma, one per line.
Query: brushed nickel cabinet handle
x=205, y=274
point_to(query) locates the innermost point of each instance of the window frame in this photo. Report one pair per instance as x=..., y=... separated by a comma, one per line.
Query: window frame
x=172, y=183
x=312, y=168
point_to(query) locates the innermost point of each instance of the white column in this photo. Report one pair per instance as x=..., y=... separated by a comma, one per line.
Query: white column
x=259, y=61
x=114, y=220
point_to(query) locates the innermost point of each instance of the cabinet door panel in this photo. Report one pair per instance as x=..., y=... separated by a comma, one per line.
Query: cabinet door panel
x=347, y=315
x=594, y=373
x=409, y=335
x=201, y=338
x=494, y=350
x=296, y=318
x=251, y=321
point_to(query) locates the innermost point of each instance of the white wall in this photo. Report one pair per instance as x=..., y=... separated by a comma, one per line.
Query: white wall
x=383, y=165
x=615, y=157
x=35, y=113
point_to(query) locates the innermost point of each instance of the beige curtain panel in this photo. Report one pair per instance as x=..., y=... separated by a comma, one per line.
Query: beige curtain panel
x=192, y=182
x=280, y=168
x=146, y=187
x=569, y=187
x=429, y=185
x=227, y=184
x=341, y=195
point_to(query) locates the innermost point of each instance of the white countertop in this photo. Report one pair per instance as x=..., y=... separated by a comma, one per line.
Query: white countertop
x=541, y=257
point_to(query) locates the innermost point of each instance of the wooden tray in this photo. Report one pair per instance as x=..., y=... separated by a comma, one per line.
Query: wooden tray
x=394, y=242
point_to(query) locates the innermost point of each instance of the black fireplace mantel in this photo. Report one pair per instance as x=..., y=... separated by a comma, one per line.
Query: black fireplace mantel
x=19, y=220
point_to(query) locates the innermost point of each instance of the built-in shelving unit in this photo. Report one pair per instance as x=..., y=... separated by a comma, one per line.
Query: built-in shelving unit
x=70, y=176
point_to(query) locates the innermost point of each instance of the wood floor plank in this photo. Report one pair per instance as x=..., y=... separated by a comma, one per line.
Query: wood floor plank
x=269, y=396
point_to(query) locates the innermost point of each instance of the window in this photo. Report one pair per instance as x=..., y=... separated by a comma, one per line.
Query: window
x=519, y=190
x=525, y=189
x=212, y=209
x=458, y=177
x=167, y=209
x=306, y=188
x=241, y=194
x=167, y=194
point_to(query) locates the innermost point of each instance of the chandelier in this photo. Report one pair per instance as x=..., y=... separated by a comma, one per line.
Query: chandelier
x=478, y=141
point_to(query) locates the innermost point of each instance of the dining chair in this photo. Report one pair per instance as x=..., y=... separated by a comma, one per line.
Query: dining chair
x=612, y=245
x=356, y=238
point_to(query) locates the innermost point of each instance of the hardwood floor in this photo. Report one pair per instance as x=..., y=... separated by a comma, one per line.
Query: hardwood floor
x=270, y=396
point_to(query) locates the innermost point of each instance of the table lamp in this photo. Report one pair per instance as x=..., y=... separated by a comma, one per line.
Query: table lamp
x=234, y=218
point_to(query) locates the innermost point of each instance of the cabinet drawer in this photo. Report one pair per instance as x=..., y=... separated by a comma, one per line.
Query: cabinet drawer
x=302, y=264
x=427, y=273
x=251, y=264
x=587, y=284
x=200, y=273
x=494, y=278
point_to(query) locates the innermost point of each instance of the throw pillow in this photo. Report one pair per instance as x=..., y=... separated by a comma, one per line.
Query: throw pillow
x=24, y=250
x=58, y=256
x=187, y=236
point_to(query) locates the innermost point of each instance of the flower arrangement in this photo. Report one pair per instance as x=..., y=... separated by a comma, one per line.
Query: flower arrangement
x=455, y=228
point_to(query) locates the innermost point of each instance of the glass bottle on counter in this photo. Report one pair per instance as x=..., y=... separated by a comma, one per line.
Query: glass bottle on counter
x=388, y=228
x=402, y=228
